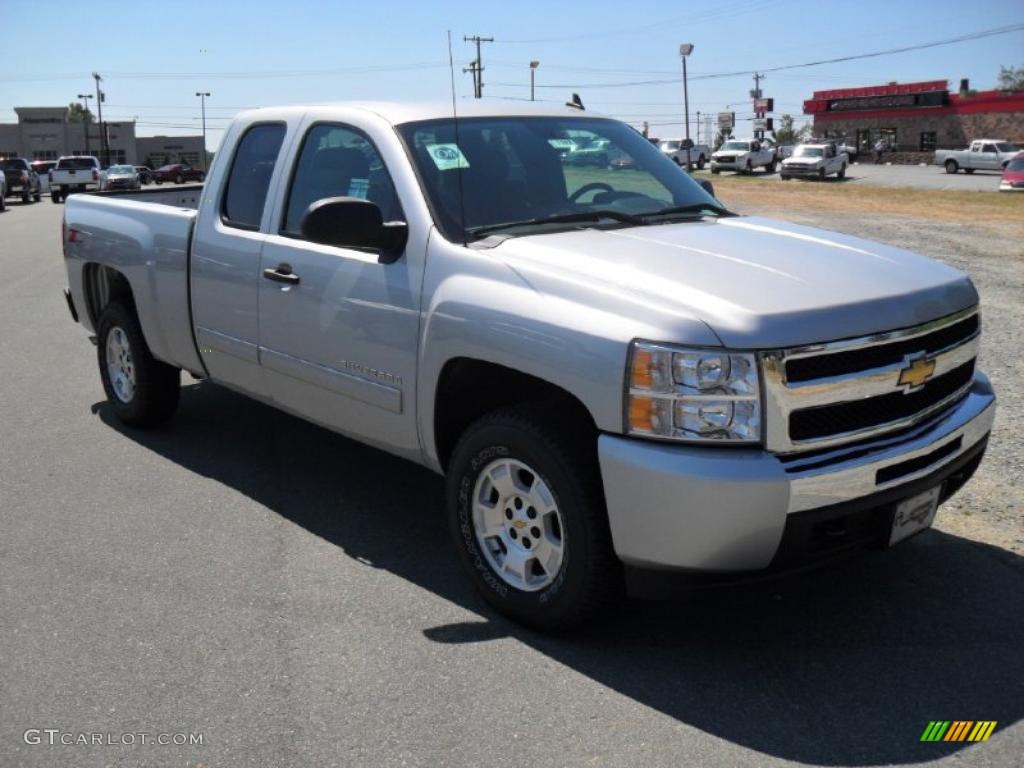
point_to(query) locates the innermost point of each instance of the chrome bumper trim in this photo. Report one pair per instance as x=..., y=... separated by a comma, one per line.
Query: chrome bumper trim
x=833, y=483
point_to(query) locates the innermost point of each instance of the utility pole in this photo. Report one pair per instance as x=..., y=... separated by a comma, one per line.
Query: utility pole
x=698, y=126
x=757, y=95
x=104, y=146
x=477, y=67
x=85, y=117
x=533, y=72
x=202, y=98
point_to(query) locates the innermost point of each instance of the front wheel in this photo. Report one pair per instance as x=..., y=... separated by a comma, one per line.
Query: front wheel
x=842, y=172
x=526, y=510
x=142, y=390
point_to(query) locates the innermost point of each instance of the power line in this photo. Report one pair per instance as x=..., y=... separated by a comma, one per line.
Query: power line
x=971, y=36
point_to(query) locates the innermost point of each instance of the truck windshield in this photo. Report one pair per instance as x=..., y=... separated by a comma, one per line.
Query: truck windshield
x=122, y=169
x=739, y=146
x=670, y=146
x=808, y=152
x=1005, y=146
x=525, y=175
x=76, y=163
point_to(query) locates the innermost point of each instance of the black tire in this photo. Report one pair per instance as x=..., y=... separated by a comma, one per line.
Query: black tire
x=38, y=196
x=159, y=182
x=565, y=458
x=202, y=177
x=701, y=162
x=3, y=201
x=715, y=171
x=951, y=166
x=842, y=172
x=770, y=168
x=821, y=174
x=784, y=177
x=26, y=196
x=749, y=168
x=157, y=384
x=55, y=197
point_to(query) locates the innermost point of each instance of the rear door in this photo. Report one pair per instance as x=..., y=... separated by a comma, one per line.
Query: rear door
x=338, y=345
x=226, y=258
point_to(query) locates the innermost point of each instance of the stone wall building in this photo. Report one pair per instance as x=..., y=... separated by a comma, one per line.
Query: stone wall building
x=917, y=118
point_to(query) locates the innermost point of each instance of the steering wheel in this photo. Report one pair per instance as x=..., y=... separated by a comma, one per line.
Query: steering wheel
x=591, y=187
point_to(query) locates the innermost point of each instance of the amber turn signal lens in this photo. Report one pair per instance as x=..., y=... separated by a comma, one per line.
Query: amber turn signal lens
x=640, y=374
x=641, y=409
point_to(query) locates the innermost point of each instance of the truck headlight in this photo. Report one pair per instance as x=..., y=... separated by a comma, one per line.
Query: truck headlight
x=693, y=394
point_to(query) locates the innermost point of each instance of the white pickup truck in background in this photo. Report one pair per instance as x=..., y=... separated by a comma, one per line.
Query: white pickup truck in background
x=743, y=156
x=982, y=155
x=699, y=154
x=75, y=173
x=816, y=160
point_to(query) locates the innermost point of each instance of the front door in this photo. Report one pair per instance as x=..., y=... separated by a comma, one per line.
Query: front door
x=338, y=338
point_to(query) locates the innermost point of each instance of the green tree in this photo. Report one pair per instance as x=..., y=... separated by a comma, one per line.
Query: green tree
x=77, y=113
x=1011, y=78
x=787, y=134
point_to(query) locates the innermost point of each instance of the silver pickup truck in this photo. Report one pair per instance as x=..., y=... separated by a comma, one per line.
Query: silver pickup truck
x=624, y=383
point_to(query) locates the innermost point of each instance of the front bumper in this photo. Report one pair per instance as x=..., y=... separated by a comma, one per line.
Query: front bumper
x=724, y=510
x=798, y=170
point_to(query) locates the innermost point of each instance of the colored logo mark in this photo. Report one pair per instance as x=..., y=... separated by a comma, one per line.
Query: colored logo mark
x=958, y=730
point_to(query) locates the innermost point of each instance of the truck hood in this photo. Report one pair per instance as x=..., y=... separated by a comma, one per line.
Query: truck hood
x=756, y=282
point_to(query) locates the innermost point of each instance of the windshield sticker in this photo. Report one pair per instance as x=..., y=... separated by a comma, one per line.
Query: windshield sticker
x=359, y=188
x=447, y=156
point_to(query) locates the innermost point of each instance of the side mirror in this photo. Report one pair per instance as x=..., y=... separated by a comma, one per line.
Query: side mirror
x=351, y=222
x=707, y=186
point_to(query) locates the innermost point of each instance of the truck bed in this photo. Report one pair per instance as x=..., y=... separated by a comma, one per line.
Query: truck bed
x=145, y=236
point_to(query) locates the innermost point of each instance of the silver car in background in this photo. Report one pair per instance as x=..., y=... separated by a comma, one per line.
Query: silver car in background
x=122, y=177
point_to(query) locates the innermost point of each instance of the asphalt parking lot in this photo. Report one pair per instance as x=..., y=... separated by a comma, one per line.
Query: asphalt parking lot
x=914, y=176
x=293, y=597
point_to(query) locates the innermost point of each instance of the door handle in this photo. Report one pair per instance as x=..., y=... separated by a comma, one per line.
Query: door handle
x=282, y=274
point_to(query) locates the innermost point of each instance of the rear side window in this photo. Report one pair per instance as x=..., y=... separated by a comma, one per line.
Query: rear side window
x=76, y=163
x=249, y=180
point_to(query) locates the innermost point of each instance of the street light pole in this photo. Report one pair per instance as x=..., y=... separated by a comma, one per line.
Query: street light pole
x=202, y=98
x=104, y=149
x=685, y=50
x=85, y=117
x=533, y=70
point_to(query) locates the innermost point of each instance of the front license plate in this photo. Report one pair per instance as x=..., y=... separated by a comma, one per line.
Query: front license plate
x=914, y=515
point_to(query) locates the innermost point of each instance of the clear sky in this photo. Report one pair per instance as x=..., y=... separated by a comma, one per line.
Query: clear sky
x=155, y=54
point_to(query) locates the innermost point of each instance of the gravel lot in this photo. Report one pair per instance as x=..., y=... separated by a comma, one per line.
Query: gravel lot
x=293, y=597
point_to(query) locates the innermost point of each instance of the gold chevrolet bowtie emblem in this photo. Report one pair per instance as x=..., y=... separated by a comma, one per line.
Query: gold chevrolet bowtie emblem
x=519, y=524
x=917, y=373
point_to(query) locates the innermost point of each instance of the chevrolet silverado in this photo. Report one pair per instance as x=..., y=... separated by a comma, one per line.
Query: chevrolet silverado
x=624, y=383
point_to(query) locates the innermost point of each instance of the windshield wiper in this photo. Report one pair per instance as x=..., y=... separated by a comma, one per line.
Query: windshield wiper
x=691, y=208
x=564, y=218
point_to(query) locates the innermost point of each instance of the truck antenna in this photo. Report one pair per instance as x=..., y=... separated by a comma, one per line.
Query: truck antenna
x=458, y=145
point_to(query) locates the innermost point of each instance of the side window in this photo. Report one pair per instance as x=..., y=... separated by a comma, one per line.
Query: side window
x=336, y=161
x=988, y=148
x=249, y=180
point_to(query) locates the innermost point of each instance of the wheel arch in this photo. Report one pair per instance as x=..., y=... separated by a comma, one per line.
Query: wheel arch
x=469, y=388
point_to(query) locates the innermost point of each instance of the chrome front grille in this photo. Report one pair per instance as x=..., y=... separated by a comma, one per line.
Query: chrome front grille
x=855, y=389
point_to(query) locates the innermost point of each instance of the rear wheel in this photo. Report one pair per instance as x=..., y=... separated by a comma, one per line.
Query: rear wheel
x=142, y=390
x=951, y=166
x=701, y=162
x=3, y=200
x=38, y=194
x=526, y=510
x=55, y=197
x=842, y=172
x=26, y=196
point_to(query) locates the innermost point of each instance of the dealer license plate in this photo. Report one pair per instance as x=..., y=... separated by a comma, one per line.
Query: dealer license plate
x=914, y=515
